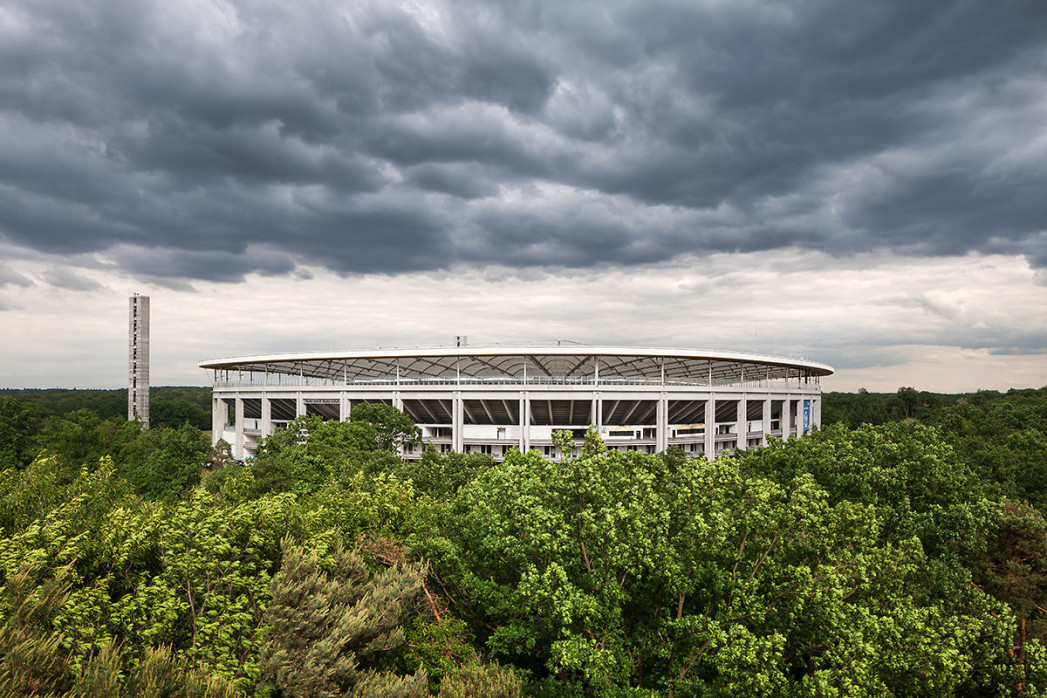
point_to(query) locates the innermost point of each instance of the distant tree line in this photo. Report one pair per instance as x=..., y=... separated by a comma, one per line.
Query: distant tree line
x=170, y=406
x=1002, y=436
x=907, y=557
x=28, y=415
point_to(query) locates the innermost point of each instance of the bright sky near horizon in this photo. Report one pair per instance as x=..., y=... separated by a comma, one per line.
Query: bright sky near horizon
x=863, y=184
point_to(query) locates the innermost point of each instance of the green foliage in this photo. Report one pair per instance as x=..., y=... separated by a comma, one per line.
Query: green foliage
x=615, y=571
x=440, y=646
x=168, y=406
x=76, y=439
x=19, y=423
x=26, y=495
x=301, y=457
x=855, y=409
x=905, y=470
x=310, y=451
x=441, y=475
x=476, y=679
x=160, y=673
x=1004, y=439
x=331, y=628
x=193, y=577
x=1013, y=569
x=394, y=430
x=1001, y=436
x=32, y=657
x=163, y=463
x=839, y=564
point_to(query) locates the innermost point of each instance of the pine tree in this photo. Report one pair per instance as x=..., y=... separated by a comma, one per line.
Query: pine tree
x=334, y=633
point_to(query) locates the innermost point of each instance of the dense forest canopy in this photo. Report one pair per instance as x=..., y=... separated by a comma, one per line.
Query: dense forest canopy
x=169, y=406
x=901, y=550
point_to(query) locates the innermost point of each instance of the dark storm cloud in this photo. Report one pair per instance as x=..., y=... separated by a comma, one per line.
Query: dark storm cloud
x=219, y=138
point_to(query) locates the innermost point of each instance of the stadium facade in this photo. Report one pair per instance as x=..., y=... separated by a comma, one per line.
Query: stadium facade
x=492, y=399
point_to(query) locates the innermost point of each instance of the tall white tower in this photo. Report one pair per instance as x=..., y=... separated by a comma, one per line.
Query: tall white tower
x=138, y=359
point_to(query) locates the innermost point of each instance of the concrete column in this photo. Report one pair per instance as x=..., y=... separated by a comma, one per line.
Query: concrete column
x=218, y=416
x=740, y=427
x=457, y=442
x=267, y=416
x=343, y=407
x=238, y=447
x=525, y=422
x=787, y=417
x=398, y=402
x=523, y=425
x=766, y=421
x=662, y=423
x=599, y=411
x=299, y=405
x=710, y=427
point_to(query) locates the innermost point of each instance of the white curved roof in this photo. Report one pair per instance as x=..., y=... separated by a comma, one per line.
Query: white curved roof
x=560, y=361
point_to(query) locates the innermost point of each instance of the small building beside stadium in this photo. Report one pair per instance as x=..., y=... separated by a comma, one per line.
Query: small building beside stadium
x=493, y=399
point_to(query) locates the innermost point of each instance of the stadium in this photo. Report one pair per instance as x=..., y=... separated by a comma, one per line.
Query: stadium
x=492, y=399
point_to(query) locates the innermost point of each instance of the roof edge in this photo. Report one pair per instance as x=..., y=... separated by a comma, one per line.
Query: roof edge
x=819, y=368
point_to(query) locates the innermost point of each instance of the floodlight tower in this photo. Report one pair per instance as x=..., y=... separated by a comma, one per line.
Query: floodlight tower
x=138, y=360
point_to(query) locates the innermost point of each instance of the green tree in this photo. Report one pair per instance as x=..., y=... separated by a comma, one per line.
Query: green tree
x=19, y=423
x=907, y=471
x=1013, y=568
x=441, y=475
x=612, y=571
x=330, y=628
x=79, y=438
x=394, y=430
x=161, y=462
x=307, y=452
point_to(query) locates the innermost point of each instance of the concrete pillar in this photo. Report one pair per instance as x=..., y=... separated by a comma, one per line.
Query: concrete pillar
x=766, y=421
x=599, y=411
x=787, y=417
x=740, y=426
x=398, y=402
x=457, y=417
x=299, y=405
x=520, y=420
x=525, y=422
x=662, y=423
x=217, y=419
x=238, y=447
x=343, y=407
x=267, y=416
x=710, y=427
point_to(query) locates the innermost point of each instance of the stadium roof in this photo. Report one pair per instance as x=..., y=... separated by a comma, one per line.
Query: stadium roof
x=561, y=361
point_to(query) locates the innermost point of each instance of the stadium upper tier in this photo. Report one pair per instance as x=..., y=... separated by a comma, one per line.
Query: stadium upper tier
x=569, y=365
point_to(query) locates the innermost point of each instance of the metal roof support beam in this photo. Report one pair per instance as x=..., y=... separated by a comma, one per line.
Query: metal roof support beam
x=432, y=417
x=630, y=414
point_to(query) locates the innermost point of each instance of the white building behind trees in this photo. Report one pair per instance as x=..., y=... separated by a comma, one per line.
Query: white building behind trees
x=492, y=399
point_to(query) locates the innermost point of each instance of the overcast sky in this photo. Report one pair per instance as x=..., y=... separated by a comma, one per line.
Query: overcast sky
x=860, y=183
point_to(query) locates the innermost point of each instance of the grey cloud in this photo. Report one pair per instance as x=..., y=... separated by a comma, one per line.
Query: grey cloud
x=462, y=181
x=1019, y=351
x=69, y=280
x=374, y=138
x=10, y=277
